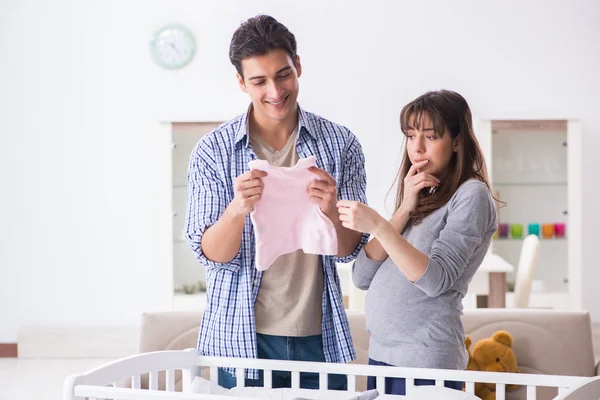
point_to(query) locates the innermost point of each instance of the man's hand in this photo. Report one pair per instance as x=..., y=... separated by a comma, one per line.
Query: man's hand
x=323, y=192
x=248, y=189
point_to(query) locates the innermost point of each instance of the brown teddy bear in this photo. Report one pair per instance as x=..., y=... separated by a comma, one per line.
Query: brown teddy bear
x=492, y=355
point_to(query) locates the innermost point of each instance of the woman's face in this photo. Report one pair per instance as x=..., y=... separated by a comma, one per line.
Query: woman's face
x=425, y=144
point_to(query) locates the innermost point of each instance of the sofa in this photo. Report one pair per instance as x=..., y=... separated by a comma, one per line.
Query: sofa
x=545, y=341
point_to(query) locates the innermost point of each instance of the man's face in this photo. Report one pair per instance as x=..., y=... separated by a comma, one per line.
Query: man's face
x=271, y=80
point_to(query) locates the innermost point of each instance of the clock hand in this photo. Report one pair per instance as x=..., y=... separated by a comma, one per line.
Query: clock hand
x=163, y=41
x=174, y=48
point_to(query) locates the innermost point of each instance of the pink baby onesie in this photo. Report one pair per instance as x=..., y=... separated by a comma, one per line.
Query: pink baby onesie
x=285, y=219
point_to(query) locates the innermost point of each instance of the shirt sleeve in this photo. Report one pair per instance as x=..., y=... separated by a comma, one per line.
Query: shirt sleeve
x=471, y=215
x=353, y=187
x=207, y=199
x=364, y=270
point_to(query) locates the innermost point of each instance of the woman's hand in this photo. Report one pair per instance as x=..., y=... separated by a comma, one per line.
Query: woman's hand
x=414, y=182
x=360, y=217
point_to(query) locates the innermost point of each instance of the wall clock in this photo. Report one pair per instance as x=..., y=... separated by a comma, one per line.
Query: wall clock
x=173, y=47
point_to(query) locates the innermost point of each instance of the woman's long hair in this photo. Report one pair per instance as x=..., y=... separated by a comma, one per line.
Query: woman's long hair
x=449, y=113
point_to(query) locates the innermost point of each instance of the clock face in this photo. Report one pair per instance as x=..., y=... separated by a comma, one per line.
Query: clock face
x=173, y=47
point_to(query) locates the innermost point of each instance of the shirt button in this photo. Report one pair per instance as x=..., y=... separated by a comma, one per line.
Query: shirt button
x=256, y=281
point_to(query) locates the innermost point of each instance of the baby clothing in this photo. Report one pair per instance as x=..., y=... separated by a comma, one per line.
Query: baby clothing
x=285, y=219
x=290, y=297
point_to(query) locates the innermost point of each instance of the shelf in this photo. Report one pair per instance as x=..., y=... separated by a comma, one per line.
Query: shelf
x=560, y=183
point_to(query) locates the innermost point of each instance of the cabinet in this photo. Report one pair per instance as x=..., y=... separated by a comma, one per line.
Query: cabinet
x=187, y=272
x=535, y=167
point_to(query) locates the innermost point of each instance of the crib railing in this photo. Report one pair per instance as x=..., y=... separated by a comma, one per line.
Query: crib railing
x=109, y=379
x=106, y=382
x=501, y=379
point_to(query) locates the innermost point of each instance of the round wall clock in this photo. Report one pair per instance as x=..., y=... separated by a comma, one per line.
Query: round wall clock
x=173, y=47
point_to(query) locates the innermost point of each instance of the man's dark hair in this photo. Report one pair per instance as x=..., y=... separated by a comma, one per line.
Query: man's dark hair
x=257, y=36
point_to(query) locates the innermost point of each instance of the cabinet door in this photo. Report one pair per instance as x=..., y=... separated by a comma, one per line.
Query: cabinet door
x=529, y=169
x=185, y=136
x=524, y=158
x=179, y=211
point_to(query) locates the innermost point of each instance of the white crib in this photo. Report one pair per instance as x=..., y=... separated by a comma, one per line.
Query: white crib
x=105, y=382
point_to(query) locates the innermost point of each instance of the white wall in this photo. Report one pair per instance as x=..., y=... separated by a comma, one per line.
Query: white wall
x=82, y=167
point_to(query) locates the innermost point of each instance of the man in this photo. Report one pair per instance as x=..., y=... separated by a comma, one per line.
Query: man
x=294, y=310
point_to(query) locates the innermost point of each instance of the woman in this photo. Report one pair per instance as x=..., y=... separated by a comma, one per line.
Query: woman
x=418, y=265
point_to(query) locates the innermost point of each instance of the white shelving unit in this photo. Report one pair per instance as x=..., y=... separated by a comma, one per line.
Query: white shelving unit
x=184, y=268
x=535, y=167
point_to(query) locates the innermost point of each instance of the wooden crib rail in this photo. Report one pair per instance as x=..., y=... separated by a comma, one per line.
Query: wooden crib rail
x=501, y=379
x=93, y=384
x=590, y=390
x=116, y=372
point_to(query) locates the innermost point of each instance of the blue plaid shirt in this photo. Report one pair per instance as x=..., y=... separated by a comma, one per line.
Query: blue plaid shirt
x=228, y=327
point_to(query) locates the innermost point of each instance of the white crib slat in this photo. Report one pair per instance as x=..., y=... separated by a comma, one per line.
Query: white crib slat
x=136, y=382
x=170, y=378
x=380, y=384
x=500, y=391
x=295, y=379
x=240, y=379
x=410, y=385
x=531, y=392
x=187, y=377
x=562, y=390
x=268, y=378
x=153, y=380
x=323, y=381
x=439, y=382
x=352, y=383
x=214, y=374
x=470, y=387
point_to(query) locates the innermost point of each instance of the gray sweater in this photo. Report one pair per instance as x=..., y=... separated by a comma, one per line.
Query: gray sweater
x=418, y=324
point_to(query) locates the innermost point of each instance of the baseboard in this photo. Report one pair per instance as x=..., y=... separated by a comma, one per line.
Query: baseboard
x=8, y=350
x=81, y=342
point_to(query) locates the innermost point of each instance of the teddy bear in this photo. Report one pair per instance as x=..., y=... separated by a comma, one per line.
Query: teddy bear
x=492, y=355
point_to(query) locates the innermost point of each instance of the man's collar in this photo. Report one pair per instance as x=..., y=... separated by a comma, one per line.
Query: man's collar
x=305, y=120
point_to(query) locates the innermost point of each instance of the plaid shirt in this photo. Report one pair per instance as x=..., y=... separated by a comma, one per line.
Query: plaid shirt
x=228, y=327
